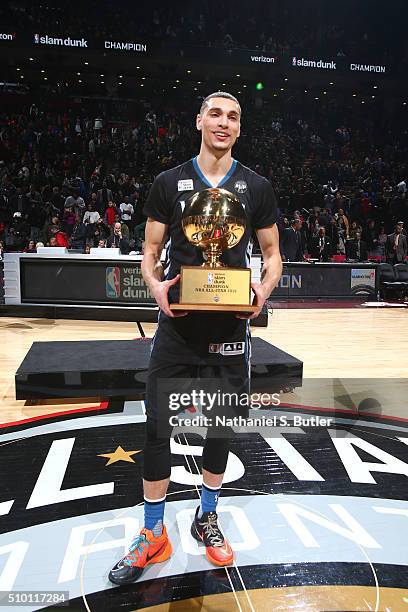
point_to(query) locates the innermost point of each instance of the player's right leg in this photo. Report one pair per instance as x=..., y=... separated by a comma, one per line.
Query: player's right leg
x=152, y=545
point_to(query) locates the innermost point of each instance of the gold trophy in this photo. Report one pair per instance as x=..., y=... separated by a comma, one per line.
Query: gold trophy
x=214, y=220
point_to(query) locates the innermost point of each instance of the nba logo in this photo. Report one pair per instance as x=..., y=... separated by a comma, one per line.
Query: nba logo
x=210, y=278
x=293, y=61
x=36, y=38
x=113, y=282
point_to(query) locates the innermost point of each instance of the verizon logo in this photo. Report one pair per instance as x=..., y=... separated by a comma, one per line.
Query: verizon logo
x=263, y=58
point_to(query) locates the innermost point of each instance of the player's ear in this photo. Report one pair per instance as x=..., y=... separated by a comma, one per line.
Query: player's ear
x=198, y=122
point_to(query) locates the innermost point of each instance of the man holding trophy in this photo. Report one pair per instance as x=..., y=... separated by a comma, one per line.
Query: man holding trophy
x=206, y=209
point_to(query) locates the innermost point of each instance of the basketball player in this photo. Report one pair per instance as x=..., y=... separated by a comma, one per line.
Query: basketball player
x=192, y=345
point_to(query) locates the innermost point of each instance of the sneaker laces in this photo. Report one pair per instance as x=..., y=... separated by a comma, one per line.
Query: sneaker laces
x=136, y=549
x=212, y=531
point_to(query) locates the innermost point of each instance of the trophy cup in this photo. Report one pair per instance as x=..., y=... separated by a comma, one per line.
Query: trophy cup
x=214, y=220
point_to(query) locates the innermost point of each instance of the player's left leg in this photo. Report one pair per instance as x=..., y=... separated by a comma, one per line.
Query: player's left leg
x=233, y=382
x=205, y=526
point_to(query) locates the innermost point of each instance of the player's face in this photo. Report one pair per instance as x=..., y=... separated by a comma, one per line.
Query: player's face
x=219, y=124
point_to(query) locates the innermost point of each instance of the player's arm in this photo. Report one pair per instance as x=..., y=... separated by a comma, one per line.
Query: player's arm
x=152, y=269
x=268, y=238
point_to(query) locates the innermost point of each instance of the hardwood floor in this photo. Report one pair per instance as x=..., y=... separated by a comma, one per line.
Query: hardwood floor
x=369, y=346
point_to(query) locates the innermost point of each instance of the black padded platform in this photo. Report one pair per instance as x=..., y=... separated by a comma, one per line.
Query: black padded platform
x=118, y=368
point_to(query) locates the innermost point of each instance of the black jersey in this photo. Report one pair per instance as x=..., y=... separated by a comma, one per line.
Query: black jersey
x=205, y=337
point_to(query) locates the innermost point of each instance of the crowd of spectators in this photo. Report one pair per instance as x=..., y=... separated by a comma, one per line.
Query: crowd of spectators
x=339, y=29
x=79, y=179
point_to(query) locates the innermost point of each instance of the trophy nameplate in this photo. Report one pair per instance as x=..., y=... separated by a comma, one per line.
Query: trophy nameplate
x=214, y=220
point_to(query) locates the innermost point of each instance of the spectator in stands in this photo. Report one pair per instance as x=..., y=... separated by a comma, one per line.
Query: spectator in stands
x=78, y=236
x=370, y=236
x=126, y=210
x=68, y=221
x=382, y=241
x=396, y=246
x=346, y=224
x=291, y=242
x=30, y=247
x=103, y=197
x=57, y=199
x=321, y=247
x=75, y=202
x=356, y=248
x=355, y=228
x=90, y=220
x=110, y=214
x=117, y=241
x=333, y=235
x=341, y=232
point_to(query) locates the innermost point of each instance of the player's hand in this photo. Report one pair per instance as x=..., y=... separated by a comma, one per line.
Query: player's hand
x=259, y=300
x=160, y=294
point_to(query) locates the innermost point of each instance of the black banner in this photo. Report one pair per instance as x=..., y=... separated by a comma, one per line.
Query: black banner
x=65, y=281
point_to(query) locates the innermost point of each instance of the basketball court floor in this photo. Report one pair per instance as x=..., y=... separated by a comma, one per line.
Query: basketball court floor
x=315, y=507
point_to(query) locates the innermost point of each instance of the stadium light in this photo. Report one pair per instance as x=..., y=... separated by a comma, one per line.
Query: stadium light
x=18, y=69
x=375, y=86
x=86, y=63
x=259, y=86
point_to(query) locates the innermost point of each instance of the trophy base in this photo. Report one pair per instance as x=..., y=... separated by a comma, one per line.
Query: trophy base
x=213, y=307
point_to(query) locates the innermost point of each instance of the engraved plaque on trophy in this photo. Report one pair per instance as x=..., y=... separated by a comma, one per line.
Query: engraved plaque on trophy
x=214, y=220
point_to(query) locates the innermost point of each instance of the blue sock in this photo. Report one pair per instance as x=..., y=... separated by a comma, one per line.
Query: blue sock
x=153, y=515
x=209, y=500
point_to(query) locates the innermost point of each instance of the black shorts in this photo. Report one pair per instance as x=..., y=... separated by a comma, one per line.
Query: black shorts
x=215, y=392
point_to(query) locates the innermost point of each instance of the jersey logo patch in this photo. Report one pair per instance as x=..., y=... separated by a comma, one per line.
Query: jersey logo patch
x=185, y=185
x=240, y=187
x=183, y=205
x=227, y=348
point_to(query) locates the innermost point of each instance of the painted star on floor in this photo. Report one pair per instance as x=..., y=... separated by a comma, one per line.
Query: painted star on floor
x=120, y=455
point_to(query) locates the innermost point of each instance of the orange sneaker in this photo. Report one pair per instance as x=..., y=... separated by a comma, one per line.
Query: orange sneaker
x=206, y=530
x=144, y=550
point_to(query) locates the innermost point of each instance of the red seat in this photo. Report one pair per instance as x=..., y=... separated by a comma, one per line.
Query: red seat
x=339, y=258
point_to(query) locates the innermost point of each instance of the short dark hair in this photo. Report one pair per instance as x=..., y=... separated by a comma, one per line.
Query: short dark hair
x=218, y=94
